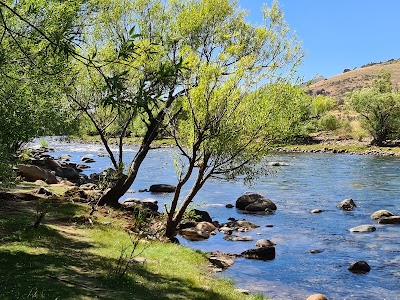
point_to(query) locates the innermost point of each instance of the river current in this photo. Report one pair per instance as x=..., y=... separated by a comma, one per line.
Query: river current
x=309, y=181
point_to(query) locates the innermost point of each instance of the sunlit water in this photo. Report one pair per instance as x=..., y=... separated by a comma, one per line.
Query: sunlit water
x=310, y=181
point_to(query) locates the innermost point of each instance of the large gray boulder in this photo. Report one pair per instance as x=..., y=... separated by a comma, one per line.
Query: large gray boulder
x=254, y=202
x=33, y=173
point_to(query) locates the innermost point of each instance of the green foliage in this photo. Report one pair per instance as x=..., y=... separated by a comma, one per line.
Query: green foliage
x=322, y=104
x=379, y=108
x=329, y=122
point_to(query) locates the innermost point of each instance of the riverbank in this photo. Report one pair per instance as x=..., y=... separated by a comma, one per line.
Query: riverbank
x=321, y=142
x=74, y=255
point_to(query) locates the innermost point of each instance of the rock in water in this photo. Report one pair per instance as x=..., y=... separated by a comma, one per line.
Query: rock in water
x=254, y=202
x=162, y=188
x=359, y=267
x=381, y=213
x=363, y=228
x=262, y=253
x=317, y=297
x=347, y=204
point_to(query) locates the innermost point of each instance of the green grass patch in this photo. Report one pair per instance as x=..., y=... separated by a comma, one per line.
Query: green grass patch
x=62, y=259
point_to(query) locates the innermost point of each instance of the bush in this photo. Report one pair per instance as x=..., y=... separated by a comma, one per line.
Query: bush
x=322, y=104
x=329, y=122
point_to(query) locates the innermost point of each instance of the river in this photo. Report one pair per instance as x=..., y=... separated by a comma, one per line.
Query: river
x=309, y=181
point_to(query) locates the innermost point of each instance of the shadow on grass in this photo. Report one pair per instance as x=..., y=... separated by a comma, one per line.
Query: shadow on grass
x=45, y=264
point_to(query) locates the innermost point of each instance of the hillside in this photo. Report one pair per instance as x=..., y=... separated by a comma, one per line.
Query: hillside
x=339, y=85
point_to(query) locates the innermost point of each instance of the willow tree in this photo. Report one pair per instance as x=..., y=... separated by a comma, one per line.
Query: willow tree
x=224, y=128
x=379, y=108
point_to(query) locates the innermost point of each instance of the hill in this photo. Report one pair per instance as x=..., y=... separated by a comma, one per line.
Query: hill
x=350, y=80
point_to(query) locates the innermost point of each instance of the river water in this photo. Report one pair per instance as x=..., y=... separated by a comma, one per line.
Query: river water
x=309, y=181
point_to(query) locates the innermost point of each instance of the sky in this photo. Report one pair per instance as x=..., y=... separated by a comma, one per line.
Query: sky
x=338, y=34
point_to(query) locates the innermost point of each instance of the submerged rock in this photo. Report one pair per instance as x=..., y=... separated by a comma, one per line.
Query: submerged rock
x=363, y=228
x=264, y=243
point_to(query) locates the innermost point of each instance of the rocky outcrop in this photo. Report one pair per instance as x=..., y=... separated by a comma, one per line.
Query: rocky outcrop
x=347, y=204
x=33, y=173
x=253, y=202
x=262, y=253
x=359, y=267
x=363, y=228
x=162, y=188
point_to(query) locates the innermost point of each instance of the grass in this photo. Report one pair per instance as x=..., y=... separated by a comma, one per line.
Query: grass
x=67, y=259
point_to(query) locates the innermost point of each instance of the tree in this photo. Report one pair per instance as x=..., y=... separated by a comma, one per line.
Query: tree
x=34, y=39
x=225, y=128
x=379, y=108
x=172, y=42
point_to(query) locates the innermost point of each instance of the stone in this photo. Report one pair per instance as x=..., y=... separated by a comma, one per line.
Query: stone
x=67, y=172
x=238, y=238
x=363, y=228
x=381, y=213
x=225, y=230
x=202, y=215
x=221, y=261
x=88, y=186
x=229, y=206
x=65, y=157
x=347, y=204
x=264, y=243
x=44, y=191
x=262, y=253
x=277, y=164
x=205, y=227
x=162, y=188
x=315, y=251
x=254, y=202
x=243, y=291
x=317, y=297
x=33, y=173
x=192, y=234
x=316, y=211
x=150, y=203
x=247, y=224
x=389, y=220
x=359, y=267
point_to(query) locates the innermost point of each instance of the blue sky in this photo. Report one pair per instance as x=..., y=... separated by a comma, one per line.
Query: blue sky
x=338, y=34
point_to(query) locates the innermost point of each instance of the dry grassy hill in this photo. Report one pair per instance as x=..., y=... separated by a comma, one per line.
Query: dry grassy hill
x=339, y=85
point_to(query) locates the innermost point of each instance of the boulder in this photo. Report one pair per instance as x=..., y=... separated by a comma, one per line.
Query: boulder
x=225, y=230
x=33, y=173
x=202, y=216
x=363, y=228
x=315, y=251
x=254, y=202
x=389, y=220
x=67, y=172
x=192, y=234
x=347, y=204
x=65, y=157
x=229, y=206
x=162, y=188
x=262, y=253
x=44, y=191
x=220, y=261
x=359, y=267
x=264, y=243
x=317, y=297
x=150, y=203
x=237, y=238
x=316, y=211
x=205, y=227
x=381, y=213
